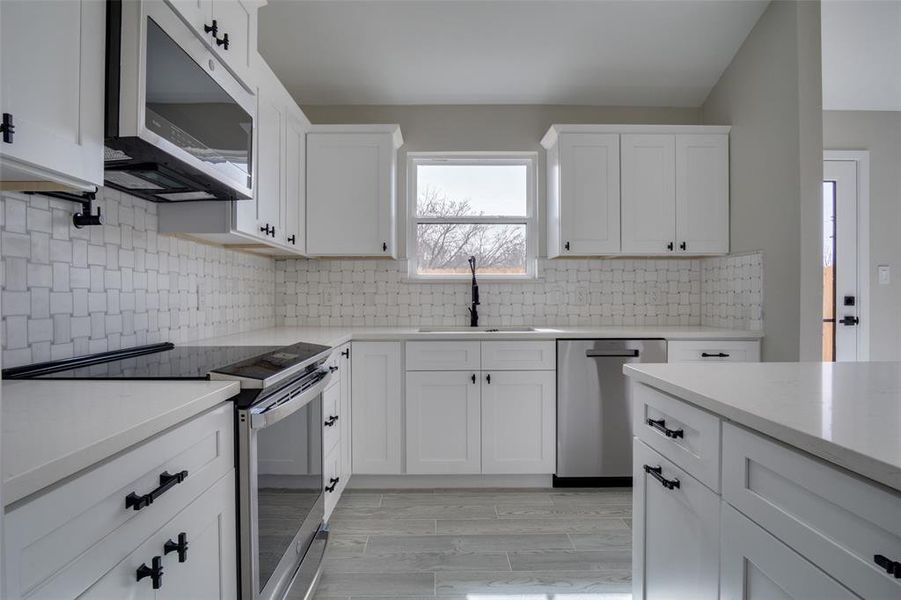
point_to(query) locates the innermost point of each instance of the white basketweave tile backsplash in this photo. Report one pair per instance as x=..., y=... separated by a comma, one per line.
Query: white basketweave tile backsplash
x=67, y=292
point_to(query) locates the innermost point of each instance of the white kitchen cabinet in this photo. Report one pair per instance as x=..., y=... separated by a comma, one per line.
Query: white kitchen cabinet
x=757, y=566
x=648, y=193
x=702, y=194
x=208, y=570
x=518, y=421
x=376, y=381
x=351, y=173
x=52, y=60
x=443, y=422
x=675, y=531
x=267, y=220
x=295, y=203
x=583, y=194
x=217, y=20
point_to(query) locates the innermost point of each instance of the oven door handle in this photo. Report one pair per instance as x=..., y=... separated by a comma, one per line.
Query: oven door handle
x=261, y=420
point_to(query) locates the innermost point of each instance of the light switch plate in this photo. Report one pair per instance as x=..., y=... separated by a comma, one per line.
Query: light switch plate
x=885, y=274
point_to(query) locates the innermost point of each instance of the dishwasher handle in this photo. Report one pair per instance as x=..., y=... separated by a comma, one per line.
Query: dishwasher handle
x=612, y=353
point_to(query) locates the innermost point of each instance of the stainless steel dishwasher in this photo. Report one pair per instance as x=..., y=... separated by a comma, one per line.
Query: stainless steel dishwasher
x=594, y=409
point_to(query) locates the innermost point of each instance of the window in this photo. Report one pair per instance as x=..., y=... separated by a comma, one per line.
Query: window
x=468, y=204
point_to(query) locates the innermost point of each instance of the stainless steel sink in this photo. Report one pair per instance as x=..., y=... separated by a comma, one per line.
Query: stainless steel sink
x=475, y=329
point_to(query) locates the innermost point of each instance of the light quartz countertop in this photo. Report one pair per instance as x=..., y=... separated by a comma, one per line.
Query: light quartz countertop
x=54, y=429
x=334, y=336
x=848, y=414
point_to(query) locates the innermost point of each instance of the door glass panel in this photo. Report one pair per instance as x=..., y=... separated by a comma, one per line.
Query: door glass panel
x=828, y=271
x=186, y=107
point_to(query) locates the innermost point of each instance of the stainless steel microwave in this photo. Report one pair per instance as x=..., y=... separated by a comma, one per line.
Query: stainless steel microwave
x=179, y=124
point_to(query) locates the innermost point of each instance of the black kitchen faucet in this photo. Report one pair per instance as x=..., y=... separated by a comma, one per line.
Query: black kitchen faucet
x=473, y=311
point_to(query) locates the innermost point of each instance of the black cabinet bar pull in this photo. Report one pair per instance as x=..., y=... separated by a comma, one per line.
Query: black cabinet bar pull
x=167, y=482
x=333, y=483
x=8, y=128
x=711, y=355
x=155, y=573
x=473, y=377
x=892, y=567
x=181, y=546
x=657, y=473
x=660, y=425
x=331, y=421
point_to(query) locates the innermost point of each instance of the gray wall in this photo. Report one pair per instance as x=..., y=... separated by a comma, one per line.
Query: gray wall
x=487, y=128
x=773, y=105
x=880, y=133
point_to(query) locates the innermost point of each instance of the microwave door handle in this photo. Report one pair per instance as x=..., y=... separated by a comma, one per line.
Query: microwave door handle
x=261, y=420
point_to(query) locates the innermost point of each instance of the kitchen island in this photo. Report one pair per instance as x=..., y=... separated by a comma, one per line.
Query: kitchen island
x=767, y=480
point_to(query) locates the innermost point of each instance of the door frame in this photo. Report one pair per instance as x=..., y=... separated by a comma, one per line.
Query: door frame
x=862, y=159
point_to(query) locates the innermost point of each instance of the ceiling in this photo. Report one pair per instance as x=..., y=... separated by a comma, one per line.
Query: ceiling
x=604, y=52
x=861, y=54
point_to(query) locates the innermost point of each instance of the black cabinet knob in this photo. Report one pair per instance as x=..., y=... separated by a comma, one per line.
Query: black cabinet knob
x=683, y=246
x=473, y=377
x=892, y=567
x=566, y=246
x=488, y=378
x=331, y=421
x=181, y=546
x=333, y=483
x=292, y=239
x=8, y=128
x=384, y=246
x=669, y=246
x=155, y=572
x=214, y=28
x=346, y=353
x=223, y=41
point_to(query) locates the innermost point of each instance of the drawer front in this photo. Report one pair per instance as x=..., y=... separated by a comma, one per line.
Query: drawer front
x=675, y=531
x=51, y=531
x=443, y=356
x=686, y=435
x=713, y=351
x=837, y=521
x=331, y=471
x=756, y=566
x=519, y=356
x=331, y=417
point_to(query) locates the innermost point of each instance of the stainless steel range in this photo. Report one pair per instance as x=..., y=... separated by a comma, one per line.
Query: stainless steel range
x=282, y=538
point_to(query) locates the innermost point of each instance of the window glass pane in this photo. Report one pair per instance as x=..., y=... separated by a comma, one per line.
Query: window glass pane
x=471, y=190
x=443, y=249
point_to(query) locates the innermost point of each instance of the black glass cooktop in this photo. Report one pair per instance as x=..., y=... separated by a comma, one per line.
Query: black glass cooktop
x=165, y=361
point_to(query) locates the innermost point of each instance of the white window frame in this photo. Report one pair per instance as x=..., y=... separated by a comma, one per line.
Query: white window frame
x=529, y=159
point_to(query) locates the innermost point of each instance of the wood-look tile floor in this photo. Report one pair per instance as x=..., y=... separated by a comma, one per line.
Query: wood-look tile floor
x=480, y=545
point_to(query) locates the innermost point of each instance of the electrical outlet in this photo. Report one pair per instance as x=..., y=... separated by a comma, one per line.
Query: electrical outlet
x=885, y=274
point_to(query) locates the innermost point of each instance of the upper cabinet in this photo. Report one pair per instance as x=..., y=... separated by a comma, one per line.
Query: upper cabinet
x=52, y=61
x=637, y=190
x=351, y=190
x=229, y=27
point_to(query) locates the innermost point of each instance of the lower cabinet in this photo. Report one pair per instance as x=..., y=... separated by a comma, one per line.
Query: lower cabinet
x=191, y=556
x=376, y=407
x=675, y=531
x=519, y=422
x=755, y=566
x=443, y=422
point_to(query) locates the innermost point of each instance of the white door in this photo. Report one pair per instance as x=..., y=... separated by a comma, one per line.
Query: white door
x=519, y=410
x=443, y=419
x=376, y=408
x=756, y=566
x=648, y=193
x=349, y=194
x=295, y=180
x=589, y=194
x=702, y=194
x=841, y=295
x=676, y=531
x=52, y=60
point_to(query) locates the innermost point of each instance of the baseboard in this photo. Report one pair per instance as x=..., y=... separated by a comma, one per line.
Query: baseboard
x=412, y=482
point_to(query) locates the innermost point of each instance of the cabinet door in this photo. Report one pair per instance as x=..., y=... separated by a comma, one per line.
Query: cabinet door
x=755, y=565
x=52, y=60
x=295, y=179
x=265, y=211
x=344, y=371
x=702, y=194
x=376, y=407
x=442, y=422
x=675, y=535
x=238, y=20
x=648, y=193
x=350, y=194
x=519, y=428
x=589, y=194
x=208, y=571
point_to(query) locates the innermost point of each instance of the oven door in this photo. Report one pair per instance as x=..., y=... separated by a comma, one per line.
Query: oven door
x=280, y=491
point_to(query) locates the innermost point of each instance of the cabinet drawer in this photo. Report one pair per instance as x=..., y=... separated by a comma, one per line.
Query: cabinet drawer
x=55, y=529
x=713, y=351
x=837, y=521
x=331, y=479
x=443, y=356
x=686, y=435
x=331, y=417
x=519, y=356
x=675, y=531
